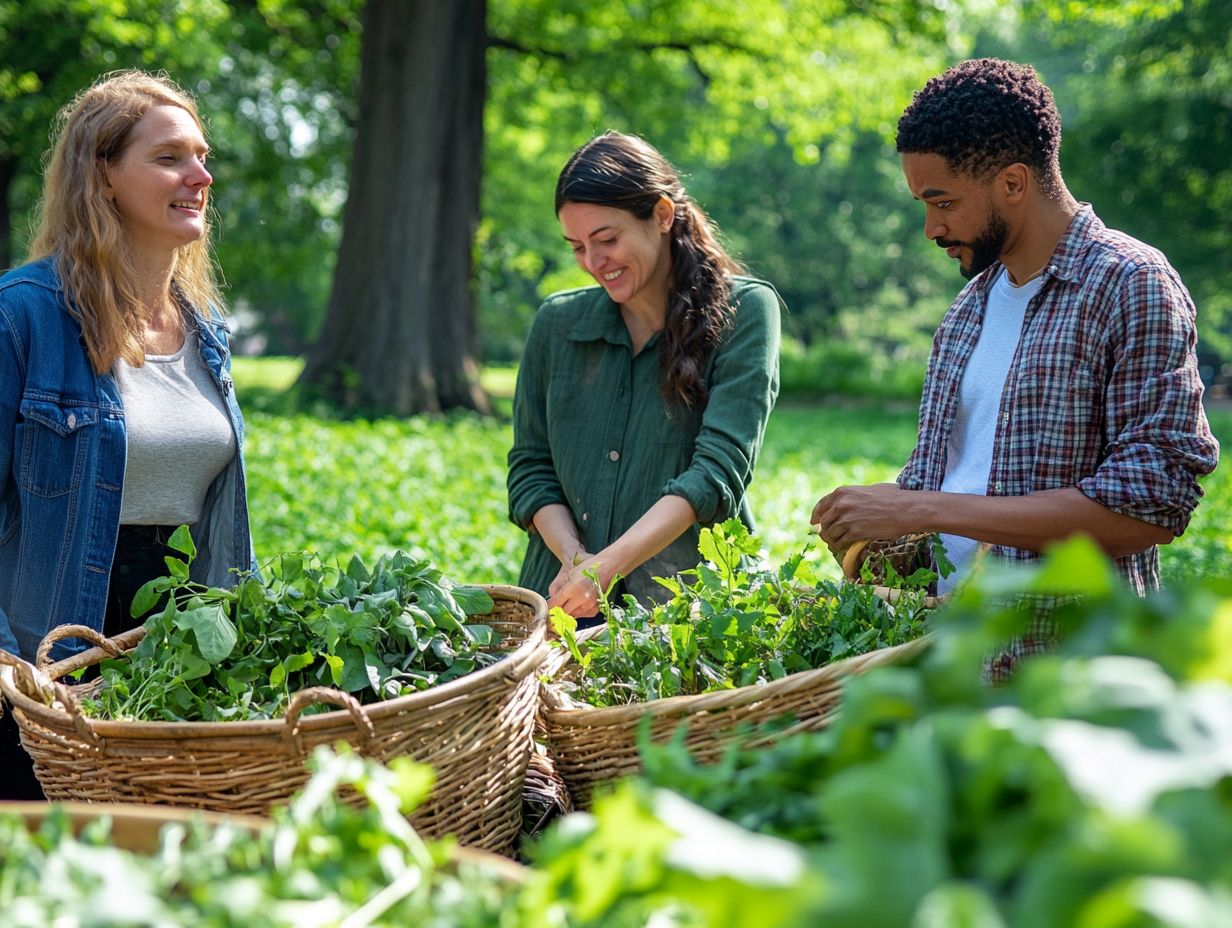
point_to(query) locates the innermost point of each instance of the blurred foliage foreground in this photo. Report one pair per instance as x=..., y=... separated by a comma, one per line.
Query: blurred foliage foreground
x=1092, y=791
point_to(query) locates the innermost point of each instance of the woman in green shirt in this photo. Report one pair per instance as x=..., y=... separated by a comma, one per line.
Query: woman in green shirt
x=641, y=402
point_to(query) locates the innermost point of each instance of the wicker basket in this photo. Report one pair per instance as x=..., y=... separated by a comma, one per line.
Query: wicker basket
x=475, y=731
x=592, y=746
x=133, y=827
x=136, y=828
x=906, y=554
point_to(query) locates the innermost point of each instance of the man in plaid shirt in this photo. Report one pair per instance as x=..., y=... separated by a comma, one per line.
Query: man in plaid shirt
x=1062, y=394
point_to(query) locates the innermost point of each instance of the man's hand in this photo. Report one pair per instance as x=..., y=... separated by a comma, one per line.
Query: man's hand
x=853, y=513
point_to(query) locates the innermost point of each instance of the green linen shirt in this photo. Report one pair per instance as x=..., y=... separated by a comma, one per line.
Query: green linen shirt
x=592, y=431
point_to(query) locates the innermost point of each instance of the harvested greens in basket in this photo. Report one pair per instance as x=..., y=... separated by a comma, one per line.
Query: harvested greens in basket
x=732, y=621
x=213, y=654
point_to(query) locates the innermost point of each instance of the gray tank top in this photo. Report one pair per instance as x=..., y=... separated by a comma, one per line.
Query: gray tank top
x=179, y=436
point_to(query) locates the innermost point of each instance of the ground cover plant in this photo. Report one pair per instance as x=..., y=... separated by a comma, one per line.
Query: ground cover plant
x=1092, y=790
x=434, y=486
x=212, y=654
x=732, y=621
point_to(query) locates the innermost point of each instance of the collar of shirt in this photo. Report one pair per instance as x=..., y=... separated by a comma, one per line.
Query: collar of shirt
x=599, y=320
x=1066, y=257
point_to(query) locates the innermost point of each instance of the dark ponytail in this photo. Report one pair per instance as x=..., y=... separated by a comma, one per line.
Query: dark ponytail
x=625, y=172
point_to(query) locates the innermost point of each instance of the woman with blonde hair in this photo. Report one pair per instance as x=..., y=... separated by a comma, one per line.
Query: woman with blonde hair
x=118, y=421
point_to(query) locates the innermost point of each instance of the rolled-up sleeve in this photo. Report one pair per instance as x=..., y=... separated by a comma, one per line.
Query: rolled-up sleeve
x=743, y=386
x=532, y=481
x=1159, y=441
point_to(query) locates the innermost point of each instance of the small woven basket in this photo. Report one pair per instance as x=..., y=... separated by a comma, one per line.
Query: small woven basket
x=592, y=746
x=905, y=554
x=475, y=732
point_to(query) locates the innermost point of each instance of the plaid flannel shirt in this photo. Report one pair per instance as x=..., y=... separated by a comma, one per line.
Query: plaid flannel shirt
x=1103, y=393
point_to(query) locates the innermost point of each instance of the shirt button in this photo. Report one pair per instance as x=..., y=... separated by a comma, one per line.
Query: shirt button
x=1005, y=418
x=613, y=455
x=72, y=421
x=586, y=517
x=997, y=486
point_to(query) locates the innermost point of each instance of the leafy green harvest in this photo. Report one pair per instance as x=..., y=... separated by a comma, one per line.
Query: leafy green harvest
x=213, y=654
x=731, y=622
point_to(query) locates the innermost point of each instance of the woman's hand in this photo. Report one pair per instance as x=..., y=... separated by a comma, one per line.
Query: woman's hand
x=576, y=592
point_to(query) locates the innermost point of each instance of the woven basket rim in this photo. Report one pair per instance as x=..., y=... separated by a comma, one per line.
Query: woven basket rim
x=145, y=817
x=138, y=813
x=516, y=665
x=581, y=715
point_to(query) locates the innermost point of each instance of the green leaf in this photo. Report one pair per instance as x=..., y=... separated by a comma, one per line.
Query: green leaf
x=215, y=634
x=176, y=569
x=354, y=675
x=412, y=782
x=148, y=596
x=298, y=662
x=181, y=540
x=336, y=668
x=473, y=600
x=1075, y=567
x=358, y=571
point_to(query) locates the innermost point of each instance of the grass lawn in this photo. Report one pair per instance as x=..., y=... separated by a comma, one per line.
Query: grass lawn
x=435, y=485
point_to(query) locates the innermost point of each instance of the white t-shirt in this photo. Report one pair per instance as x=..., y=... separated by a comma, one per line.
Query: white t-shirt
x=969, y=455
x=179, y=436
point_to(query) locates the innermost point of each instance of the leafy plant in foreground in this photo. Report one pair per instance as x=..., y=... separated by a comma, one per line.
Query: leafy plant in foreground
x=213, y=654
x=321, y=862
x=1091, y=790
x=732, y=622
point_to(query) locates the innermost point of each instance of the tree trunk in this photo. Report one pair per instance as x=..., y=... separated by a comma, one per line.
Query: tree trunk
x=399, y=333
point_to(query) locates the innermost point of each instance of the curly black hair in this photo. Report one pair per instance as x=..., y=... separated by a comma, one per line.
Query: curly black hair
x=982, y=115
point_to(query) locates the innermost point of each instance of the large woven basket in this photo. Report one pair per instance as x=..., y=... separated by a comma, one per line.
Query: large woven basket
x=593, y=746
x=475, y=731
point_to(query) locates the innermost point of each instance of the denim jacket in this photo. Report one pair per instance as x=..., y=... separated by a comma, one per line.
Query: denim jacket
x=62, y=458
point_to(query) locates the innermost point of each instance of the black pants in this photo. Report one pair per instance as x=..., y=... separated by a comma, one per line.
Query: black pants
x=141, y=553
x=139, y=558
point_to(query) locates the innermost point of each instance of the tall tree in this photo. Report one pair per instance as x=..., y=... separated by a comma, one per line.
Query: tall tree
x=399, y=332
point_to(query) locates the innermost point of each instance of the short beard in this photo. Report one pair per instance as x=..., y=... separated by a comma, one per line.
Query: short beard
x=986, y=248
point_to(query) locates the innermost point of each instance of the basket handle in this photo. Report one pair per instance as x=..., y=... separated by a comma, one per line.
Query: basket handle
x=315, y=694
x=68, y=698
x=28, y=678
x=42, y=660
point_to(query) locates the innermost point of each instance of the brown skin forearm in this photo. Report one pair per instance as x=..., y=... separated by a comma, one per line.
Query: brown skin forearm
x=1030, y=522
